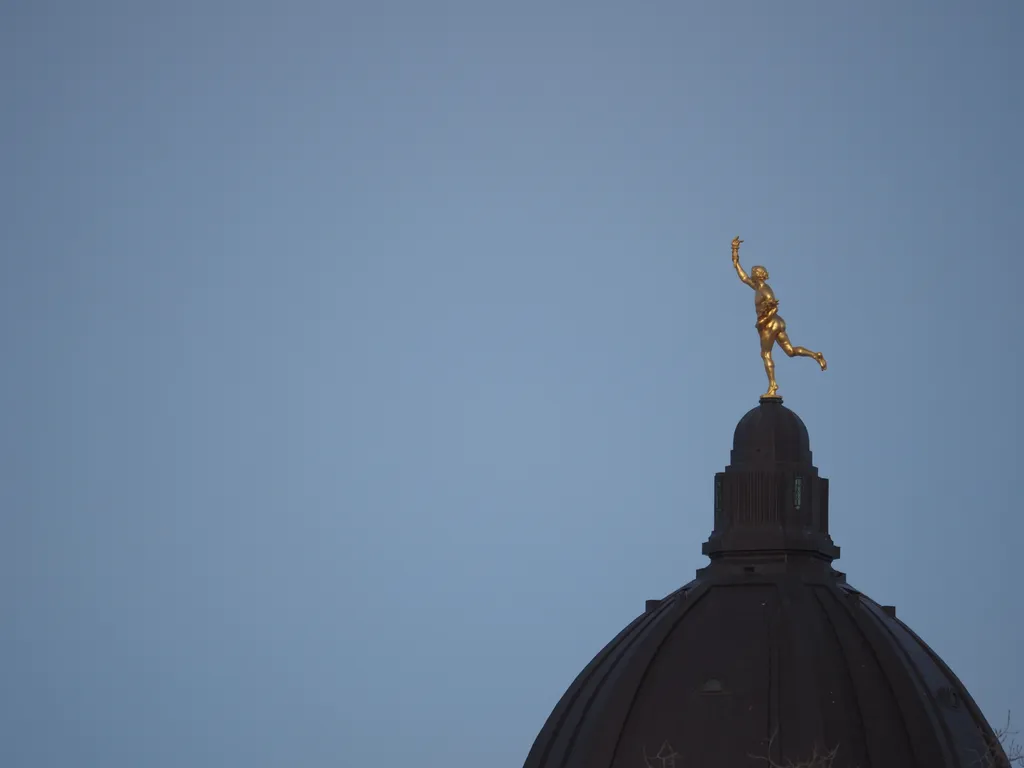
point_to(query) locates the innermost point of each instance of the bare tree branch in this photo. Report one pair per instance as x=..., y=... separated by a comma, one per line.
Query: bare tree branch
x=817, y=759
x=1004, y=752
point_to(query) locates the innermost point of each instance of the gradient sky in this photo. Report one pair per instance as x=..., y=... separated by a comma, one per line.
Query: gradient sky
x=366, y=365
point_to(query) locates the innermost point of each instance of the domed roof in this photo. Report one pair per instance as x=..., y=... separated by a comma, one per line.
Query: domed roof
x=770, y=433
x=709, y=675
x=768, y=652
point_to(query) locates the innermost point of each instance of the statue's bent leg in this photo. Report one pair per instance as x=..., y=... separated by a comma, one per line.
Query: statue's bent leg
x=789, y=349
x=767, y=342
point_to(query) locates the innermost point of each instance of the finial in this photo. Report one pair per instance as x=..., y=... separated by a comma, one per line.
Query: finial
x=771, y=328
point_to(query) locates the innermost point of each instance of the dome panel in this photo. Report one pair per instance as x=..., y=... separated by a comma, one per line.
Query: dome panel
x=878, y=731
x=816, y=701
x=556, y=740
x=949, y=700
x=719, y=681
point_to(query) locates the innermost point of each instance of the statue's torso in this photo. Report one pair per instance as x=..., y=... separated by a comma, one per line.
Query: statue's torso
x=762, y=298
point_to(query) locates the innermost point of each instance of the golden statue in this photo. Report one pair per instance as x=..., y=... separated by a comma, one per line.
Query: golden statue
x=770, y=325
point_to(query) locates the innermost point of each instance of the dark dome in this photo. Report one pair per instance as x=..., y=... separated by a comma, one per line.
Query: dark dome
x=768, y=652
x=712, y=672
x=770, y=433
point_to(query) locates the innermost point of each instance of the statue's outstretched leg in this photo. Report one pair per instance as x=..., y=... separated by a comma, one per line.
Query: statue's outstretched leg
x=767, y=342
x=792, y=351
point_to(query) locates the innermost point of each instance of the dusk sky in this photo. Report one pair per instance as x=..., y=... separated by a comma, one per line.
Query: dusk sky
x=366, y=365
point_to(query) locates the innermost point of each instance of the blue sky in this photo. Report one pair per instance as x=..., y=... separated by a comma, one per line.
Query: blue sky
x=367, y=364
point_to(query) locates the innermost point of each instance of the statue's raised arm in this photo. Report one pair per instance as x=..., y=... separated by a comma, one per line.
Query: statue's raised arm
x=736, y=262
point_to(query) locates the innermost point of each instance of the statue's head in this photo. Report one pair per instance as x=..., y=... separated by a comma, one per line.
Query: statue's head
x=759, y=273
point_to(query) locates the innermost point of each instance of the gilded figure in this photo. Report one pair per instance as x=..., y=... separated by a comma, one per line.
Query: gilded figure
x=771, y=328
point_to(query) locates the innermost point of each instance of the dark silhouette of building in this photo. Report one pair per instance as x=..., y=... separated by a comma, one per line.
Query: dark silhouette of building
x=768, y=653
